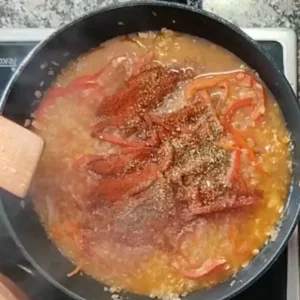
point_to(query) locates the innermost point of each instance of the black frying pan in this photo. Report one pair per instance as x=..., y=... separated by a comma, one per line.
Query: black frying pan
x=86, y=33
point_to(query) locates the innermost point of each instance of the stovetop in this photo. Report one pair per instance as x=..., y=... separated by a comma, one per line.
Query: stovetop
x=280, y=282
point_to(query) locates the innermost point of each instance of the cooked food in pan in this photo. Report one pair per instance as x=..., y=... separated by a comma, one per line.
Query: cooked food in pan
x=166, y=165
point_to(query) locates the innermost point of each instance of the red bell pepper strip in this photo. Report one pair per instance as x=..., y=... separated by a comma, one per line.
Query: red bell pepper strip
x=234, y=170
x=239, y=77
x=75, y=271
x=225, y=86
x=116, y=189
x=71, y=88
x=83, y=160
x=236, y=105
x=110, y=138
x=235, y=166
x=80, y=83
x=261, y=101
x=108, y=162
x=206, y=268
x=224, y=204
x=240, y=141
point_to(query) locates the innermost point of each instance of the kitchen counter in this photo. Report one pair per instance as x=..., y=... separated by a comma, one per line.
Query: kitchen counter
x=55, y=13
x=244, y=13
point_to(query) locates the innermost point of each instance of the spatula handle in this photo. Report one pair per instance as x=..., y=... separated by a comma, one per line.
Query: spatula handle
x=9, y=290
x=20, y=150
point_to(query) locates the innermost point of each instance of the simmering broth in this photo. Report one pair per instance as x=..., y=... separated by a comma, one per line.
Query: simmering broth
x=166, y=164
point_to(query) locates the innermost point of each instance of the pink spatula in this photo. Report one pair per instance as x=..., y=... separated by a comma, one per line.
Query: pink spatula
x=20, y=150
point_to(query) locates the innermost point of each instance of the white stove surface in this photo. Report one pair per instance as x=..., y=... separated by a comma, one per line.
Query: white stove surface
x=288, y=40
